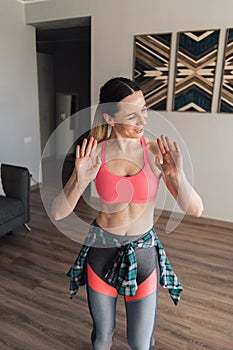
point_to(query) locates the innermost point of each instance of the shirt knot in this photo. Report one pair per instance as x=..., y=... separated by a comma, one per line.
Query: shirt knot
x=123, y=273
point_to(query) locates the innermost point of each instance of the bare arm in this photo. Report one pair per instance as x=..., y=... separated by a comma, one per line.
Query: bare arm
x=86, y=168
x=67, y=200
x=187, y=198
x=171, y=167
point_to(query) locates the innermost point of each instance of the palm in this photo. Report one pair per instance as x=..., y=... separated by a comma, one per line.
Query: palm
x=171, y=165
x=86, y=167
x=86, y=164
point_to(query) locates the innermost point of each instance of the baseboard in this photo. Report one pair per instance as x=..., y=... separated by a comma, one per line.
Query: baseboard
x=178, y=217
x=34, y=187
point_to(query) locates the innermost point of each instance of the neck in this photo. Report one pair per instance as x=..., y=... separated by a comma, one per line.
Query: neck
x=123, y=143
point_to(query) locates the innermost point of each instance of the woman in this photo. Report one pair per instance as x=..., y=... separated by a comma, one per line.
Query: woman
x=127, y=168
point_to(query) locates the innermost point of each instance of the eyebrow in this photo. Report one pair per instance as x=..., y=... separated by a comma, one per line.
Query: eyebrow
x=128, y=115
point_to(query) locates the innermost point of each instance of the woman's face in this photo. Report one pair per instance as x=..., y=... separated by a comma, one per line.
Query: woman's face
x=131, y=118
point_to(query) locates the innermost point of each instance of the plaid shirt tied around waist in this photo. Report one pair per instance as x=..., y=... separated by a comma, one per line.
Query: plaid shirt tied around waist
x=123, y=272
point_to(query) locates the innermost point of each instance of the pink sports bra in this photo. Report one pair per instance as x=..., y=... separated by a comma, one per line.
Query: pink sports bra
x=139, y=188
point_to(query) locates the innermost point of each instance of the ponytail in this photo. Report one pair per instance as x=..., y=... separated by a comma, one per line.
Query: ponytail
x=99, y=128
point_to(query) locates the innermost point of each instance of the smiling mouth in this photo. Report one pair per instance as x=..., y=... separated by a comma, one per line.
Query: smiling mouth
x=138, y=131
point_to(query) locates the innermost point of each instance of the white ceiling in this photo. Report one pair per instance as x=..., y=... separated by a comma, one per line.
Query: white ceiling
x=29, y=1
x=67, y=23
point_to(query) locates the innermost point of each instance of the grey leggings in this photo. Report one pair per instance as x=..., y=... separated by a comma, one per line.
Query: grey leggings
x=140, y=310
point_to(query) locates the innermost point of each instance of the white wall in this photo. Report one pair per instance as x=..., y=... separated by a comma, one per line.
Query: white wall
x=18, y=89
x=114, y=23
x=46, y=101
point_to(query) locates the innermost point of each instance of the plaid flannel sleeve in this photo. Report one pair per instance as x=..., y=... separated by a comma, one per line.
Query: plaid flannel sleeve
x=77, y=273
x=168, y=278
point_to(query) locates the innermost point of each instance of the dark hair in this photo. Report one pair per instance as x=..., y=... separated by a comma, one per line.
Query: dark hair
x=117, y=89
x=114, y=90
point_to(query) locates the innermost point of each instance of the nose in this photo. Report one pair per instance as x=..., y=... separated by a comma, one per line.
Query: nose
x=141, y=119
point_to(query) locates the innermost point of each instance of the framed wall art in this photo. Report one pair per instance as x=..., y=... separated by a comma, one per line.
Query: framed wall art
x=226, y=93
x=196, y=60
x=151, y=67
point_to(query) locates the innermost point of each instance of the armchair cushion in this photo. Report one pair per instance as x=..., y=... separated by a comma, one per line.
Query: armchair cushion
x=10, y=208
x=16, y=184
x=14, y=204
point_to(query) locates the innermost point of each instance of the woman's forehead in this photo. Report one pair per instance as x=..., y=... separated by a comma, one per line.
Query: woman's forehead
x=135, y=98
x=129, y=108
x=132, y=102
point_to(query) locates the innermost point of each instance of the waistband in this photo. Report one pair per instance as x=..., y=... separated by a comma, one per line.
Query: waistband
x=99, y=237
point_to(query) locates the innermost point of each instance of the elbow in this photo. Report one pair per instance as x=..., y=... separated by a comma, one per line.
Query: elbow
x=55, y=210
x=56, y=217
x=55, y=214
x=200, y=209
x=196, y=211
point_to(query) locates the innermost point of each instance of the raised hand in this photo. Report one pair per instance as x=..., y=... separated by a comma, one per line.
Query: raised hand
x=170, y=163
x=86, y=163
x=86, y=168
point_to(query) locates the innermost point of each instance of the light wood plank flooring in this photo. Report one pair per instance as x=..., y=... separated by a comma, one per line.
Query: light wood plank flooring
x=36, y=312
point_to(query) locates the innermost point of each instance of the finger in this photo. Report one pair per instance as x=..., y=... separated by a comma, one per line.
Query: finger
x=94, y=145
x=165, y=145
x=161, y=146
x=176, y=147
x=89, y=146
x=169, y=144
x=83, y=148
x=78, y=151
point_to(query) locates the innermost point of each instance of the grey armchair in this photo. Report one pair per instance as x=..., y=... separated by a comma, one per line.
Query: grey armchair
x=14, y=206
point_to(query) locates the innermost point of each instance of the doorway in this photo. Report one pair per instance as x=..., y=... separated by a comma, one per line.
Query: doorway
x=64, y=82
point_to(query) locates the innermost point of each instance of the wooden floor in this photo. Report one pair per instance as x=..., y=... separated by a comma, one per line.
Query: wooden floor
x=36, y=312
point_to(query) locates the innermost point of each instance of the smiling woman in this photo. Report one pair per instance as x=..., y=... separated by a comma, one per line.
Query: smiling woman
x=131, y=118
x=126, y=168
x=111, y=98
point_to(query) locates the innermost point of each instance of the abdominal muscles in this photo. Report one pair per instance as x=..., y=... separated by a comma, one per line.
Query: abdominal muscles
x=127, y=218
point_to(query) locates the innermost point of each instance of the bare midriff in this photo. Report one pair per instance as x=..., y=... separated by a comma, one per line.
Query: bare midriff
x=126, y=219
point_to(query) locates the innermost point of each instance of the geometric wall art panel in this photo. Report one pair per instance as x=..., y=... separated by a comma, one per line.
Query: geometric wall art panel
x=151, y=67
x=196, y=60
x=226, y=94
